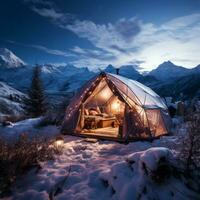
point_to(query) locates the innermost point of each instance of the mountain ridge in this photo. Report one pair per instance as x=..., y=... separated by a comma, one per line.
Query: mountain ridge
x=9, y=60
x=69, y=78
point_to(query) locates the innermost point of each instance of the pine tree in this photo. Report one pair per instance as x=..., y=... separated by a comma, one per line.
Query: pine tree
x=35, y=105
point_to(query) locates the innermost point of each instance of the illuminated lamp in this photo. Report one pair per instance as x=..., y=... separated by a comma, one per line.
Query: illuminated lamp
x=59, y=142
x=105, y=93
x=116, y=106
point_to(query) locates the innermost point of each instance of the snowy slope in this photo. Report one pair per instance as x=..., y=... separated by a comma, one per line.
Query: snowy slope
x=55, y=78
x=9, y=59
x=10, y=101
x=6, y=91
x=12, y=132
x=64, y=78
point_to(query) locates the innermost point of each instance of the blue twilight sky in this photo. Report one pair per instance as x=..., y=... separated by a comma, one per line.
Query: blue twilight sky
x=95, y=33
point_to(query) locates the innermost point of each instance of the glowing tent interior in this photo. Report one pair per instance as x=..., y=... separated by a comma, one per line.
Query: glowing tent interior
x=110, y=106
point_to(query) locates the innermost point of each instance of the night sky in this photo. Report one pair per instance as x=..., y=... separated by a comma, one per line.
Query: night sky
x=95, y=33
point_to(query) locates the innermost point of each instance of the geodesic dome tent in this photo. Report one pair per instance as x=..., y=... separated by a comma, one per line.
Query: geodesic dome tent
x=110, y=106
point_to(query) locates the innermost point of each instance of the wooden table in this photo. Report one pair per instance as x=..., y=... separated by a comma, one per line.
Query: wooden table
x=106, y=122
x=98, y=121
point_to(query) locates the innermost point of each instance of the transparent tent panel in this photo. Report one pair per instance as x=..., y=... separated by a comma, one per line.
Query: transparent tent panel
x=77, y=99
x=99, y=96
x=124, y=89
x=144, y=95
x=151, y=102
x=156, y=122
x=167, y=119
x=145, y=88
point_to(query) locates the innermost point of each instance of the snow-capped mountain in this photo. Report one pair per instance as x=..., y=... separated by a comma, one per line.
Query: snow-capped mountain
x=56, y=78
x=64, y=78
x=61, y=80
x=128, y=71
x=110, y=69
x=10, y=101
x=168, y=71
x=9, y=60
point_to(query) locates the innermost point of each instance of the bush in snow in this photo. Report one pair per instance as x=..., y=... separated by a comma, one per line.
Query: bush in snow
x=61, y=109
x=56, y=114
x=51, y=118
x=190, y=153
x=150, y=174
x=47, y=120
x=18, y=158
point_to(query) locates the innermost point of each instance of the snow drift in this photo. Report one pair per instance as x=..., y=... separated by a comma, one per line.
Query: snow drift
x=146, y=175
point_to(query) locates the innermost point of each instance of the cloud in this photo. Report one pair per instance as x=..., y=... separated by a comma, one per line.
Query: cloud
x=55, y=16
x=107, y=36
x=44, y=49
x=128, y=28
x=48, y=12
x=176, y=40
x=182, y=22
x=100, y=54
x=131, y=41
x=52, y=51
x=118, y=48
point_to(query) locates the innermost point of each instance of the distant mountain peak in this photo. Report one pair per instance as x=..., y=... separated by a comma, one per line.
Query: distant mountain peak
x=167, y=64
x=168, y=70
x=9, y=60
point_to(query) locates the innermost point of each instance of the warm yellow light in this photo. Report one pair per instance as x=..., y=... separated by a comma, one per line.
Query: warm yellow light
x=115, y=106
x=59, y=142
x=105, y=93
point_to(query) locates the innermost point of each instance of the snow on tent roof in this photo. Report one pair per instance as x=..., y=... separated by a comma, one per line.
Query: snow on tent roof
x=147, y=97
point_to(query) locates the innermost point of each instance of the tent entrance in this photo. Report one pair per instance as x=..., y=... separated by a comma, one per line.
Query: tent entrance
x=102, y=113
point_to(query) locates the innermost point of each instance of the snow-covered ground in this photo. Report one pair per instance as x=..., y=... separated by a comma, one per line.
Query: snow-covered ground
x=99, y=170
x=10, y=101
x=28, y=126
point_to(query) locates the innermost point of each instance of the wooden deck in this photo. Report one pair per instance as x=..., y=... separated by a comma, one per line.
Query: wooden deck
x=108, y=137
x=105, y=132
